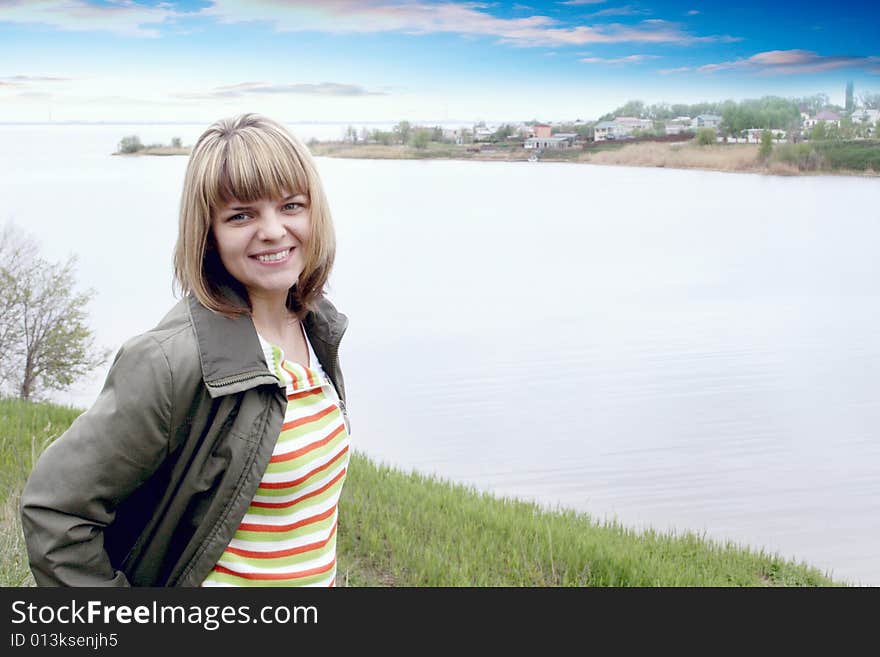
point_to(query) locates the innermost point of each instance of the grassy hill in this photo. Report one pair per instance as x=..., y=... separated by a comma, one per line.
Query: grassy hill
x=405, y=529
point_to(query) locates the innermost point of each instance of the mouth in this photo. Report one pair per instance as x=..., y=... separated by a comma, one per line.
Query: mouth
x=273, y=257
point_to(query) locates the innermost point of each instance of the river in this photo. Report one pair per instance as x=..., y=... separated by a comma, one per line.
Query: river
x=686, y=350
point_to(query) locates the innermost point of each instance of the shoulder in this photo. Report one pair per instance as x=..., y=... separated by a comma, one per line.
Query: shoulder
x=325, y=320
x=171, y=346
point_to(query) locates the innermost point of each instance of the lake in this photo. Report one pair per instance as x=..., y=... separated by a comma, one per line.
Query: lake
x=685, y=350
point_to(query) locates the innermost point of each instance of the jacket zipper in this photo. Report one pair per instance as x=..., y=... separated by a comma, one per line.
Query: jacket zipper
x=219, y=383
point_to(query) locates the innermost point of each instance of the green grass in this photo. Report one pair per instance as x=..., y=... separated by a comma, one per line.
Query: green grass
x=25, y=430
x=831, y=155
x=406, y=529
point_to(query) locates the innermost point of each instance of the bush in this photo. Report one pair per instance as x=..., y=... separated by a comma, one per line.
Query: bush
x=705, y=136
x=856, y=155
x=420, y=138
x=175, y=142
x=766, y=145
x=130, y=144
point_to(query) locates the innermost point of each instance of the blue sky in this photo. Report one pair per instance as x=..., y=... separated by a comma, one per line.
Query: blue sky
x=386, y=60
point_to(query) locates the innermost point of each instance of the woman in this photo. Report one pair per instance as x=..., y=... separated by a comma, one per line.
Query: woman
x=217, y=449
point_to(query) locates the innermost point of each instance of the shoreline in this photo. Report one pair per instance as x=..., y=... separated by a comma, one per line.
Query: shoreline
x=724, y=158
x=157, y=150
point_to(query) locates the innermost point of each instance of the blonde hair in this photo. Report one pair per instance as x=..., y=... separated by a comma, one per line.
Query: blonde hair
x=247, y=158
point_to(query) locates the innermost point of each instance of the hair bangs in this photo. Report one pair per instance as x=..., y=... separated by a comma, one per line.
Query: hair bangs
x=254, y=166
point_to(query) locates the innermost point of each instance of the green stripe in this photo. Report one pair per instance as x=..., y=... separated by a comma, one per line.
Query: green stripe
x=313, y=425
x=281, y=492
x=266, y=537
x=300, y=505
x=240, y=581
x=308, y=457
x=277, y=562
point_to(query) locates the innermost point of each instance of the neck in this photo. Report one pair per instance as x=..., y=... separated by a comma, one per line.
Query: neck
x=270, y=314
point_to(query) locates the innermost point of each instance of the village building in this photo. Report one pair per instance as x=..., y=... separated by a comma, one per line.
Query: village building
x=678, y=125
x=865, y=117
x=706, y=121
x=542, y=130
x=556, y=142
x=825, y=116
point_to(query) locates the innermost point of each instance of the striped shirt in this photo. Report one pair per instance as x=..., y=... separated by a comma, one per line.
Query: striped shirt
x=288, y=534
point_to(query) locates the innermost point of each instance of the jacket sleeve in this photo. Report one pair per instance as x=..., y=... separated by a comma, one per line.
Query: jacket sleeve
x=81, y=478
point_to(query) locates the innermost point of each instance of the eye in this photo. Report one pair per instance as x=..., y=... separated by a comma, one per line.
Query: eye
x=238, y=218
x=294, y=206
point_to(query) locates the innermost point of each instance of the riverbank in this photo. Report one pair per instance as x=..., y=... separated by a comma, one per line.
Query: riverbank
x=405, y=529
x=157, y=150
x=743, y=158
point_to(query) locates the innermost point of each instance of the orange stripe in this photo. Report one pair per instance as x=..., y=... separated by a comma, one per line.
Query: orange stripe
x=308, y=418
x=276, y=576
x=308, y=448
x=304, y=393
x=296, y=377
x=283, y=553
x=253, y=527
x=297, y=482
x=317, y=491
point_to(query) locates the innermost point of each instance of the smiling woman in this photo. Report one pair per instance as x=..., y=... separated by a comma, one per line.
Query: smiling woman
x=217, y=450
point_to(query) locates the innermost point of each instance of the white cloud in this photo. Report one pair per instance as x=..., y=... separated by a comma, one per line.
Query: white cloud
x=126, y=18
x=629, y=59
x=786, y=62
x=627, y=10
x=466, y=19
x=243, y=89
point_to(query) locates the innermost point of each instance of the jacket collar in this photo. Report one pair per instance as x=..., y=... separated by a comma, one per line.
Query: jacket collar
x=229, y=349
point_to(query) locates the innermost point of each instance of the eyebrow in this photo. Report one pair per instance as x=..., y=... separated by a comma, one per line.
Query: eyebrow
x=250, y=207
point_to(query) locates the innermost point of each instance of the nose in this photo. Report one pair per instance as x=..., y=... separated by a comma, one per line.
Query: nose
x=271, y=226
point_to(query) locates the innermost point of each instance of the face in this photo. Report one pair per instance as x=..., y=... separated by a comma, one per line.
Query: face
x=262, y=244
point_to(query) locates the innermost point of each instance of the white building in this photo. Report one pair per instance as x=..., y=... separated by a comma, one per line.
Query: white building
x=555, y=142
x=706, y=121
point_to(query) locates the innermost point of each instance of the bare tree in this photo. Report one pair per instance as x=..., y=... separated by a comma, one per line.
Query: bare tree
x=16, y=251
x=43, y=328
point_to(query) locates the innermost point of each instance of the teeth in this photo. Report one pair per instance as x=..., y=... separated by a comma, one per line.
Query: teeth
x=281, y=255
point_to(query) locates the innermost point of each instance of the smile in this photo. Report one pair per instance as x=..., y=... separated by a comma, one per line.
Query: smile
x=278, y=256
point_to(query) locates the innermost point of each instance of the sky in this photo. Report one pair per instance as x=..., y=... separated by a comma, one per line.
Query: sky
x=434, y=62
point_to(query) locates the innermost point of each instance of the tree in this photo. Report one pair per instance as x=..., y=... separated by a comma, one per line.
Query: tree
x=705, y=136
x=130, y=144
x=849, y=97
x=766, y=145
x=870, y=101
x=176, y=143
x=382, y=137
x=421, y=137
x=503, y=132
x=16, y=251
x=45, y=336
x=819, y=132
x=402, y=131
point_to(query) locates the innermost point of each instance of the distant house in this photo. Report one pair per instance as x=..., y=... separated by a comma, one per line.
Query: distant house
x=483, y=134
x=753, y=135
x=607, y=130
x=542, y=130
x=678, y=125
x=706, y=121
x=620, y=128
x=825, y=116
x=570, y=136
x=556, y=142
x=632, y=123
x=866, y=116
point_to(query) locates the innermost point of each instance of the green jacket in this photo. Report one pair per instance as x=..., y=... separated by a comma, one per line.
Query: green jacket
x=148, y=486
